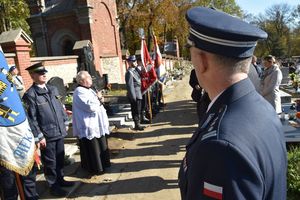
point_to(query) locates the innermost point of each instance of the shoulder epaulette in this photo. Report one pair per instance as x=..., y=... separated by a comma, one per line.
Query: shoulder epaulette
x=213, y=124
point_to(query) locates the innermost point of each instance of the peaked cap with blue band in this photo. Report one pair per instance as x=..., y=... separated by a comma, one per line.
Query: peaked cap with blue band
x=38, y=67
x=220, y=33
x=131, y=58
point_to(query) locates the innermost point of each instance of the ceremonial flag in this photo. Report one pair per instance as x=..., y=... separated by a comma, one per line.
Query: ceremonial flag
x=159, y=66
x=158, y=57
x=17, y=144
x=148, y=75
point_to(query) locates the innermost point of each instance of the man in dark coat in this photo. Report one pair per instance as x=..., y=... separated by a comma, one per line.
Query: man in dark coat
x=238, y=152
x=49, y=121
x=198, y=95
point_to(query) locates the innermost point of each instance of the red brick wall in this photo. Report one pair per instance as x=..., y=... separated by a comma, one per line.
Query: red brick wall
x=18, y=54
x=105, y=36
x=64, y=67
x=10, y=59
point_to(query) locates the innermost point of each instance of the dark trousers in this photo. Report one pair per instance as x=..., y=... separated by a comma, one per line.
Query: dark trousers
x=144, y=104
x=53, y=159
x=8, y=185
x=29, y=184
x=136, y=110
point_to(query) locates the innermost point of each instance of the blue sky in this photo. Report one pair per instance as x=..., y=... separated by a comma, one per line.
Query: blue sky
x=258, y=6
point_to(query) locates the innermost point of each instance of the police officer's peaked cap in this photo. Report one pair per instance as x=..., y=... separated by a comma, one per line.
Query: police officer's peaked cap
x=220, y=33
x=38, y=67
x=12, y=68
x=131, y=58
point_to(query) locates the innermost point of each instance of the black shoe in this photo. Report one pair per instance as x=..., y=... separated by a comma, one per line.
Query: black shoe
x=65, y=183
x=138, y=128
x=58, y=192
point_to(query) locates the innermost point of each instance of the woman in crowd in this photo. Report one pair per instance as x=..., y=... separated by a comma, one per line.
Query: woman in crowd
x=270, y=82
x=90, y=125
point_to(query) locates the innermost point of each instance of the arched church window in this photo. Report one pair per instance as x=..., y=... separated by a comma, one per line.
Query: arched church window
x=68, y=47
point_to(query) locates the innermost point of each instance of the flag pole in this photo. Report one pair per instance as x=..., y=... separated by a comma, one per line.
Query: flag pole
x=162, y=96
x=19, y=186
x=150, y=106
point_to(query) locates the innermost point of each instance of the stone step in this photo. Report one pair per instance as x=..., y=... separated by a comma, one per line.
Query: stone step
x=129, y=124
x=116, y=121
x=126, y=114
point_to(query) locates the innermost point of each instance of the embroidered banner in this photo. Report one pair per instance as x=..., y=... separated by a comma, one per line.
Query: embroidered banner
x=148, y=75
x=16, y=140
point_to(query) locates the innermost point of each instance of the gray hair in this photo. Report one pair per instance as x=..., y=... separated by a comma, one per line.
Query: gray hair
x=234, y=64
x=81, y=76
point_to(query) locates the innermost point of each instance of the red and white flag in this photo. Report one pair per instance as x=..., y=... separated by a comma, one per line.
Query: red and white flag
x=148, y=75
x=158, y=57
x=213, y=191
x=145, y=56
x=158, y=62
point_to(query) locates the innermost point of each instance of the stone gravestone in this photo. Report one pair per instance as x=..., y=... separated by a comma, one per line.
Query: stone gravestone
x=285, y=75
x=59, y=84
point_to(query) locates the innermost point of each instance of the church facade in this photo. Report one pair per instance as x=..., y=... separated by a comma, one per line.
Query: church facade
x=56, y=25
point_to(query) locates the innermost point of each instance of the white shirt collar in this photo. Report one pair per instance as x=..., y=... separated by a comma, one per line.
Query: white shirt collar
x=41, y=86
x=213, y=101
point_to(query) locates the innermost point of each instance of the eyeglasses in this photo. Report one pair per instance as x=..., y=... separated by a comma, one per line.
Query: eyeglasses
x=40, y=73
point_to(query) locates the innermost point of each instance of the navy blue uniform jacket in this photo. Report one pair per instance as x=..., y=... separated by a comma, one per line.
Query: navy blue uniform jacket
x=45, y=113
x=238, y=152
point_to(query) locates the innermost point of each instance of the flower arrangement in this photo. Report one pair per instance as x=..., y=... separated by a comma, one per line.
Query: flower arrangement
x=295, y=80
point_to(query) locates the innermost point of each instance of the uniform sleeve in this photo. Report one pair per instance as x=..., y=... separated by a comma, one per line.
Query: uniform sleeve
x=220, y=171
x=31, y=116
x=130, y=86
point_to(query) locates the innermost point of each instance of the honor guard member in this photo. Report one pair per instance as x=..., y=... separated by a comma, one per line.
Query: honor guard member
x=134, y=92
x=238, y=152
x=49, y=122
x=17, y=80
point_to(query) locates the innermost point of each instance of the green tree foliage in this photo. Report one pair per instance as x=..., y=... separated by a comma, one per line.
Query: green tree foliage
x=13, y=14
x=293, y=175
x=280, y=22
x=165, y=17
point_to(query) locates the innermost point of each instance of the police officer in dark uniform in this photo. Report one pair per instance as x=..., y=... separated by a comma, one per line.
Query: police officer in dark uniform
x=48, y=123
x=134, y=93
x=238, y=152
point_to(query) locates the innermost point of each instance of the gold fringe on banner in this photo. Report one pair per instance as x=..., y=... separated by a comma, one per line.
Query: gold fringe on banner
x=22, y=171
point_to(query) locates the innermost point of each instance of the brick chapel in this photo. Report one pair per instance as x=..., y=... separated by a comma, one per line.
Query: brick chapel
x=56, y=25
